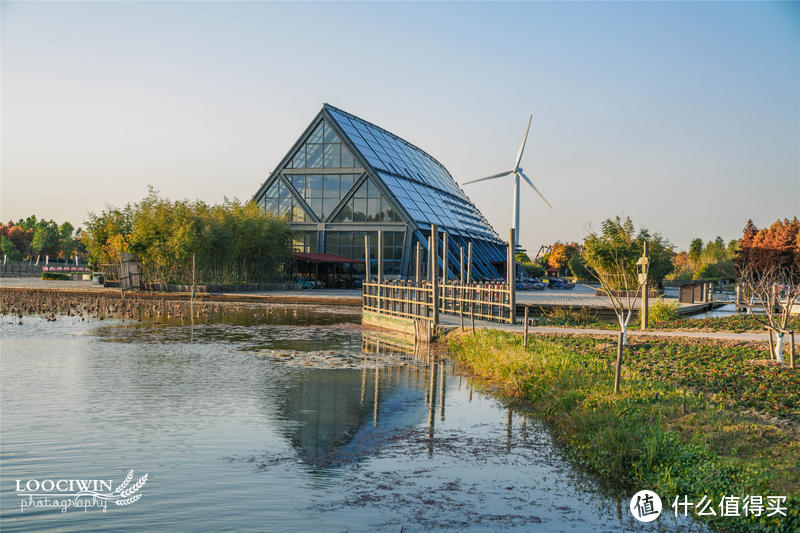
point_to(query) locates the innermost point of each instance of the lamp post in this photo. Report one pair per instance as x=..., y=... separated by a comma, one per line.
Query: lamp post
x=643, y=266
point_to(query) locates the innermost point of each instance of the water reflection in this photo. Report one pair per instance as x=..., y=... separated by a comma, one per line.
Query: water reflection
x=280, y=425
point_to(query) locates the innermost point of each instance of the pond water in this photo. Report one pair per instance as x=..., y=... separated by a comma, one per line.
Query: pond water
x=291, y=420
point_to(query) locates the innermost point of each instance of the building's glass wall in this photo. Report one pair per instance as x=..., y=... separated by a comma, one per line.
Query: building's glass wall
x=279, y=201
x=304, y=241
x=368, y=205
x=322, y=150
x=322, y=192
x=351, y=244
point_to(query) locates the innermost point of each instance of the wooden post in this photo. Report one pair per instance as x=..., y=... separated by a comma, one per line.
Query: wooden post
x=418, y=266
x=511, y=277
x=645, y=309
x=194, y=276
x=380, y=257
x=461, y=265
x=430, y=262
x=434, y=281
x=525, y=335
x=445, y=258
x=366, y=258
x=791, y=350
x=469, y=262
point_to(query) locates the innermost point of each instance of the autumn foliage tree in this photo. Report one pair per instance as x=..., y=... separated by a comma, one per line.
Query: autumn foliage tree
x=768, y=269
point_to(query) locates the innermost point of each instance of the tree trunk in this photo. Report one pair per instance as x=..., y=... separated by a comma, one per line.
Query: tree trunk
x=618, y=368
x=623, y=327
x=771, y=346
x=779, y=348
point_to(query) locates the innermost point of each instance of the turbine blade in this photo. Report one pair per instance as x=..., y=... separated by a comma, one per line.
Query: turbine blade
x=522, y=146
x=493, y=176
x=534, y=188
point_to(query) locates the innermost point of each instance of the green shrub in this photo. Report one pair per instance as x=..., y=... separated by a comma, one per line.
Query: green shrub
x=56, y=276
x=662, y=310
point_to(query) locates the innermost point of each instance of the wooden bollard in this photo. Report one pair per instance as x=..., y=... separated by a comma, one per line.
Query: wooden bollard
x=525, y=335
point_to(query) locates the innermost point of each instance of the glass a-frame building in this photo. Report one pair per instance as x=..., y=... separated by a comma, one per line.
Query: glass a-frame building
x=345, y=178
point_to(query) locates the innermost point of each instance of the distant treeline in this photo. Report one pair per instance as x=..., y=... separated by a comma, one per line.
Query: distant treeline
x=233, y=242
x=30, y=237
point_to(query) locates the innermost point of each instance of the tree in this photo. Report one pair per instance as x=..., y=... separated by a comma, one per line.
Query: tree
x=8, y=248
x=695, y=251
x=612, y=256
x=768, y=269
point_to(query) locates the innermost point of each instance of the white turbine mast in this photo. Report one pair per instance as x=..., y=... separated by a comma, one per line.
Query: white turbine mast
x=518, y=173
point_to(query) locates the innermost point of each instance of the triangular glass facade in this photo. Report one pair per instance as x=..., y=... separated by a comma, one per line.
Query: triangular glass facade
x=368, y=205
x=279, y=201
x=323, y=149
x=322, y=192
x=405, y=190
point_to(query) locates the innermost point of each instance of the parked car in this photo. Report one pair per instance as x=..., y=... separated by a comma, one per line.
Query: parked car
x=557, y=283
x=537, y=286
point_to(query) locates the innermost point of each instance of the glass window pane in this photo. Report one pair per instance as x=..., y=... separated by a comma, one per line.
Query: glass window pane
x=316, y=137
x=361, y=192
x=331, y=187
x=299, y=160
x=271, y=206
x=298, y=181
x=314, y=156
x=346, y=238
x=285, y=205
x=373, y=209
x=299, y=214
x=331, y=156
x=313, y=186
x=329, y=134
x=272, y=192
x=347, y=182
x=316, y=205
x=328, y=204
x=346, y=213
x=347, y=158
x=372, y=190
x=360, y=209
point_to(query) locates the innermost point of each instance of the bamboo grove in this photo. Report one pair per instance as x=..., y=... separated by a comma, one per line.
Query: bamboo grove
x=233, y=242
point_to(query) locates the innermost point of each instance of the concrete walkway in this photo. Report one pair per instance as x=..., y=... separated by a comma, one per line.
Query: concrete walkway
x=451, y=321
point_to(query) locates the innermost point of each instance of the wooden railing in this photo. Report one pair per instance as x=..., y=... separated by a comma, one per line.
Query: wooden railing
x=490, y=301
x=408, y=299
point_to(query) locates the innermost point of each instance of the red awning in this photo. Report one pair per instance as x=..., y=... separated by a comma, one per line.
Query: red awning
x=325, y=258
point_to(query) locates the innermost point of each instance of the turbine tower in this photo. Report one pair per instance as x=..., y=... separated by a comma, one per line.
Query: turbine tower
x=518, y=173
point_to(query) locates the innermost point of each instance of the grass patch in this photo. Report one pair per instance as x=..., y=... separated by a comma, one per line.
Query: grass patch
x=56, y=276
x=662, y=310
x=670, y=429
x=735, y=323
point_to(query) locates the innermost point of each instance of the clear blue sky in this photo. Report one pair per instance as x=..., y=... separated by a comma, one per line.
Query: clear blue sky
x=684, y=116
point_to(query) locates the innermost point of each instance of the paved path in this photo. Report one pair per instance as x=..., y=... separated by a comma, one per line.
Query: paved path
x=454, y=321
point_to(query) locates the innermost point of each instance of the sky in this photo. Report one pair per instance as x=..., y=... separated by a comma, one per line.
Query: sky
x=683, y=116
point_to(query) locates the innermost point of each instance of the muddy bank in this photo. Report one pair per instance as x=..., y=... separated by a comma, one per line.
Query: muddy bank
x=20, y=302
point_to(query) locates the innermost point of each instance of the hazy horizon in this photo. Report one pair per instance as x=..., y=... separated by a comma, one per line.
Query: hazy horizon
x=685, y=117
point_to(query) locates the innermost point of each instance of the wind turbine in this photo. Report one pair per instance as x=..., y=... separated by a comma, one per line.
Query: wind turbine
x=518, y=173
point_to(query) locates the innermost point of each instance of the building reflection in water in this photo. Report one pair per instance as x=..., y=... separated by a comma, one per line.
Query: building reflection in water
x=337, y=416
